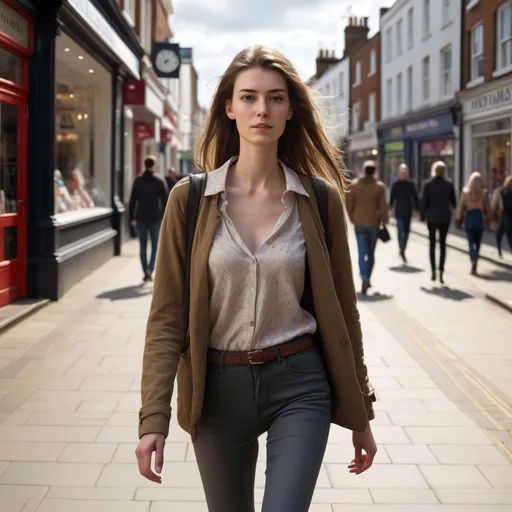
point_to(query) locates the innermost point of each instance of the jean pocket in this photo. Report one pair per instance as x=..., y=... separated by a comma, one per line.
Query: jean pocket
x=306, y=361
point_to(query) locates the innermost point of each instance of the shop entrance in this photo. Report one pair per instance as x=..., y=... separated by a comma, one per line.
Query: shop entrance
x=15, y=50
x=13, y=186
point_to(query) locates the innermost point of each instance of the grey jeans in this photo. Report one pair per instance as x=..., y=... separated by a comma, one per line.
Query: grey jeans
x=290, y=400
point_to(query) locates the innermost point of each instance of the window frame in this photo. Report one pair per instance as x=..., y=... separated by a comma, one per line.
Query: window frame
x=372, y=107
x=373, y=62
x=446, y=12
x=425, y=65
x=410, y=28
x=478, y=26
x=341, y=79
x=410, y=88
x=399, y=46
x=500, y=42
x=389, y=97
x=389, y=44
x=444, y=72
x=357, y=79
x=427, y=19
x=399, y=92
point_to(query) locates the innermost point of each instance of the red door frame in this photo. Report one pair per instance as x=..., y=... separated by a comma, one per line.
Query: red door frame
x=18, y=95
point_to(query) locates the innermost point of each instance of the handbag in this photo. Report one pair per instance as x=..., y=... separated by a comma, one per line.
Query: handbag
x=383, y=234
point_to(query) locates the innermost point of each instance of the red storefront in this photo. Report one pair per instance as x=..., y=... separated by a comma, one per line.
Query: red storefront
x=16, y=47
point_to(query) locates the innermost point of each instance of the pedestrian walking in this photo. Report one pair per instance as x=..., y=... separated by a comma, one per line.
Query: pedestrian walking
x=501, y=206
x=367, y=209
x=473, y=212
x=147, y=204
x=437, y=201
x=404, y=200
x=274, y=343
x=171, y=179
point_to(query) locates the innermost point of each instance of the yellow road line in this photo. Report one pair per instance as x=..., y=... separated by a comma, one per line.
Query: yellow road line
x=496, y=441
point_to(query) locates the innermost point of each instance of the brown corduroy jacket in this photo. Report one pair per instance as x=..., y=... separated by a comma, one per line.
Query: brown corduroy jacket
x=334, y=302
x=366, y=202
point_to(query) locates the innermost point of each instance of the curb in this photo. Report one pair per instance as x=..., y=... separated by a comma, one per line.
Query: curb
x=499, y=302
x=31, y=307
x=499, y=263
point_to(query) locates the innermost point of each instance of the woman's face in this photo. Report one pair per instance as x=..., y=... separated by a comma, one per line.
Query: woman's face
x=260, y=105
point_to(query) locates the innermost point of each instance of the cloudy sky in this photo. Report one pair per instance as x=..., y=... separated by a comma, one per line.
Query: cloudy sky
x=218, y=29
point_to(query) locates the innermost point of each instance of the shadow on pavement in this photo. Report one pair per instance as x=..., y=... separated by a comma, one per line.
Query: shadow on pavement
x=126, y=293
x=406, y=269
x=374, y=297
x=497, y=275
x=447, y=293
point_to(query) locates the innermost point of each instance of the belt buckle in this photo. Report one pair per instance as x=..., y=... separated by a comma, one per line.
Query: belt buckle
x=251, y=354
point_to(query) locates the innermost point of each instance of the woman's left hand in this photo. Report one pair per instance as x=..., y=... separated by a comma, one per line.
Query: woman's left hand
x=363, y=441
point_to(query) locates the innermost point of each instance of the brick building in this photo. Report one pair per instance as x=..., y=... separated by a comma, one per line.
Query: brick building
x=365, y=104
x=487, y=89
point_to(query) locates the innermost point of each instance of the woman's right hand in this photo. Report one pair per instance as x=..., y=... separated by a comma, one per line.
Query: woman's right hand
x=148, y=444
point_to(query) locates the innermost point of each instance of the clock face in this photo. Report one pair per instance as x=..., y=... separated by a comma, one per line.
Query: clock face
x=167, y=61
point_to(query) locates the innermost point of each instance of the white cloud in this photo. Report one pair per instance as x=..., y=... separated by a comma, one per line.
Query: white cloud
x=218, y=30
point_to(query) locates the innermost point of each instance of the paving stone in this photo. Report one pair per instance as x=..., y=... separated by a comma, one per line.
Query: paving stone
x=411, y=496
x=472, y=454
x=91, y=493
x=475, y=496
x=499, y=476
x=88, y=452
x=30, y=451
x=410, y=454
x=447, y=435
x=459, y=477
x=53, y=505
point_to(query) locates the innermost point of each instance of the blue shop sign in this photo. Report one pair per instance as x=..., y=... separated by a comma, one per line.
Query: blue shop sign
x=392, y=132
x=430, y=126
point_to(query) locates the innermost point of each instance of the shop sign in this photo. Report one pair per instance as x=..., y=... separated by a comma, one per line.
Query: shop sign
x=499, y=98
x=394, y=147
x=134, y=92
x=143, y=131
x=165, y=135
x=393, y=132
x=440, y=124
x=101, y=26
x=14, y=25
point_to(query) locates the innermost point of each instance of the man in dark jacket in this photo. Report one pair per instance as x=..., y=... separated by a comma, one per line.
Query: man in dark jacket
x=438, y=200
x=147, y=205
x=404, y=199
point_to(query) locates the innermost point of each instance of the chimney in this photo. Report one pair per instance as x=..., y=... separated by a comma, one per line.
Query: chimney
x=324, y=61
x=356, y=34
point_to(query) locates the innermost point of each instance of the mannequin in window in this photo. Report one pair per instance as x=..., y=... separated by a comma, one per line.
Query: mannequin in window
x=81, y=196
x=63, y=200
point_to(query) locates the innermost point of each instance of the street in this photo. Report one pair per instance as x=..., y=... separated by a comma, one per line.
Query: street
x=438, y=356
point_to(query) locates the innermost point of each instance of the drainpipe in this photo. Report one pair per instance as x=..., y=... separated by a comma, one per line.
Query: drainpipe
x=460, y=116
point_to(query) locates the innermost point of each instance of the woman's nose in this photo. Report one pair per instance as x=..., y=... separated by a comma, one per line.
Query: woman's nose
x=262, y=108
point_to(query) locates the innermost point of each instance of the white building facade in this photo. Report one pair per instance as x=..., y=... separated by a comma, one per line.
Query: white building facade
x=420, y=80
x=334, y=88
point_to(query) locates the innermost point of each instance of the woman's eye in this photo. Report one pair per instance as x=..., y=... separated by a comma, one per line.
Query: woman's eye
x=248, y=97
x=277, y=98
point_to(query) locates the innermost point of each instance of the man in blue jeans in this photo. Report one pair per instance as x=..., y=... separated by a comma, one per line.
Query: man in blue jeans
x=147, y=205
x=404, y=199
x=367, y=209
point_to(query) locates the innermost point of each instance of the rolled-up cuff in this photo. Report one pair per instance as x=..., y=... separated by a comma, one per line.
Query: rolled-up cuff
x=154, y=419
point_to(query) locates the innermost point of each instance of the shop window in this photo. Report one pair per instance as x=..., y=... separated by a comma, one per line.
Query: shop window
x=477, y=52
x=83, y=129
x=8, y=158
x=433, y=150
x=10, y=67
x=446, y=71
x=504, y=32
x=491, y=151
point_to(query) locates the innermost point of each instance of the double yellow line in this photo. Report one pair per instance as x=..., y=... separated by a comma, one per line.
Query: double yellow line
x=473, y=379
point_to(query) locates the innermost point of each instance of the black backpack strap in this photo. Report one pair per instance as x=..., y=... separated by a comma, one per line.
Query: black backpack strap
x=322, y=199
x=195, y=193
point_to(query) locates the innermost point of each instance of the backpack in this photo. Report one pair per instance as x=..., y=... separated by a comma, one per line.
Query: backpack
x=196, y=192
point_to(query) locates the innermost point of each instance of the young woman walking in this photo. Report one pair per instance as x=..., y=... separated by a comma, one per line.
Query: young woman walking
x=275, y=343
x=473, y=212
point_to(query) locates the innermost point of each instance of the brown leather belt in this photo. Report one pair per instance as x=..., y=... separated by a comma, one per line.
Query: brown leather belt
x=261, y=356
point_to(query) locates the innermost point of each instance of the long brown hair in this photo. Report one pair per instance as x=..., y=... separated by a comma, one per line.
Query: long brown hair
x=304, y=146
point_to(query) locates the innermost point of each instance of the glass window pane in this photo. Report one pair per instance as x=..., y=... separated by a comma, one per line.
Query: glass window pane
x=506, y=22
x=10, y=67
x=83, y=129
x=8, y=158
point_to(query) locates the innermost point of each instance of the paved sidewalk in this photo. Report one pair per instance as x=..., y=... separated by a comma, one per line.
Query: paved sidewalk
x=69, y=396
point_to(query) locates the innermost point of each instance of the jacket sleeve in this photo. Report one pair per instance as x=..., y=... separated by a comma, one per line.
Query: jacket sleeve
x=425, y=200
x=134, y=197
x=415, y=199
x=392, y=197
x=461, y=207
x=341, y=265
x=383, y=206
x=165, y=326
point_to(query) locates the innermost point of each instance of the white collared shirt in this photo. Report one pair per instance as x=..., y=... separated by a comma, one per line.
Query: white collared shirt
x=255, y=298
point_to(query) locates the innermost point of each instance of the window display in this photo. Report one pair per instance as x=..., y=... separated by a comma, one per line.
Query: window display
x=433, y=150
x=83, y=129
x=492, y=151
x=394, y=156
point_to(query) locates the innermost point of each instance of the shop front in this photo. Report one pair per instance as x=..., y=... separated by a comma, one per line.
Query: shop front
x=419, y=141
x=488, y=132
x=16, y=48
x=76, y=124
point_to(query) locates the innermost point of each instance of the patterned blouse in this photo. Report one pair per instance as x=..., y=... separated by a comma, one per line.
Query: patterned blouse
x=255, y=298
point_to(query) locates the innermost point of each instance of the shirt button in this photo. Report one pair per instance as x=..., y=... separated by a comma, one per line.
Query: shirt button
x=252, y=323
